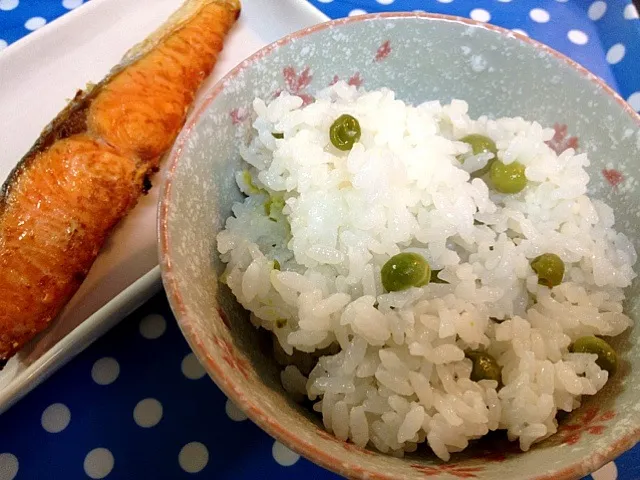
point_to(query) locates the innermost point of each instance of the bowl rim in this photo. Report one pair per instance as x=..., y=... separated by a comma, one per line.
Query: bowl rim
x=589, y=462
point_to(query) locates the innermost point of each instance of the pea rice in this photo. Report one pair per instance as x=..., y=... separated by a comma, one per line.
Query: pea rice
x=306, y=247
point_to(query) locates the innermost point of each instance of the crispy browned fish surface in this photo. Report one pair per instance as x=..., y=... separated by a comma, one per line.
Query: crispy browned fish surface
x=92, y=163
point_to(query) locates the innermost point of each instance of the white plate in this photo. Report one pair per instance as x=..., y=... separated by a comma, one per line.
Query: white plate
x=37, y=76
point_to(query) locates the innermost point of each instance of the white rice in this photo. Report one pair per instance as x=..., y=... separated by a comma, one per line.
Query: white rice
x=332, y=219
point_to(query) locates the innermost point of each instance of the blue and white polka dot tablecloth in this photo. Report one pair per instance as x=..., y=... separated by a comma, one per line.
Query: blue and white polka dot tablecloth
x=137, y=404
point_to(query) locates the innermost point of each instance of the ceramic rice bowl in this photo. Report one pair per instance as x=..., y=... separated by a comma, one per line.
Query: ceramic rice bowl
x=421, y=57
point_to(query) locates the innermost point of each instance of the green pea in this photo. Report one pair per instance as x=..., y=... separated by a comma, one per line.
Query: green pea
x=550, y=269
x=276, y=265
x=278, y=135
x=480, y=144
x=251, y=186
x=508, y=178
x=273, y=206
x=485, y=367
x=607, y=358
x=344, y=132
x=405, y=270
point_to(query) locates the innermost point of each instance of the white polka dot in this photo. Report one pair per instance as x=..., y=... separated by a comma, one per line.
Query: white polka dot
x=3, y=44
x=7, y=5
x=630, y=12
x=539, y=15
x=105, y=371
x=71, y=4
x=283, y=455
x=98, y=463
x=357, y=11
x=233, y=412
x=34, y=23
x=385, y=2
x=148, y=412
x=578, y=37
x=8, y=466
x=634, y=101
x=152, y=326
x=597, y=10
x=55, y=418
x=193, y=457
x=445, y=1
x=191, y=367
x=608, y=472
x=616, y=53
x=562, y=1
x=504, y=1
x=325, y=1
x=521, y=32
x=480, y=15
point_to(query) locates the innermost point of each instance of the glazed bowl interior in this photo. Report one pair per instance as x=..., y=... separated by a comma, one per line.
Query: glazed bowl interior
x=420, y=57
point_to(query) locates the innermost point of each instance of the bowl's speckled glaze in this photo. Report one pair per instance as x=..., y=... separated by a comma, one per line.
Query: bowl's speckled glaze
x=421, y=57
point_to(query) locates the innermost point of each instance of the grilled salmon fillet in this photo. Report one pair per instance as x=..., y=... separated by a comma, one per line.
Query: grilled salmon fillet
x=92, y=163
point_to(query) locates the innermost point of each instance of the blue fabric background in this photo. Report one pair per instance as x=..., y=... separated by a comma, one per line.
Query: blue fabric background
x=149, y=351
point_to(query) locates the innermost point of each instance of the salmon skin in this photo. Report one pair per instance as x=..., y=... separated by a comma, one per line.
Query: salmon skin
x=92, y=163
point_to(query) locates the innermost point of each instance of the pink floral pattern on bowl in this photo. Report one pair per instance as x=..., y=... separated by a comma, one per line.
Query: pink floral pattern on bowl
x=589, y=422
